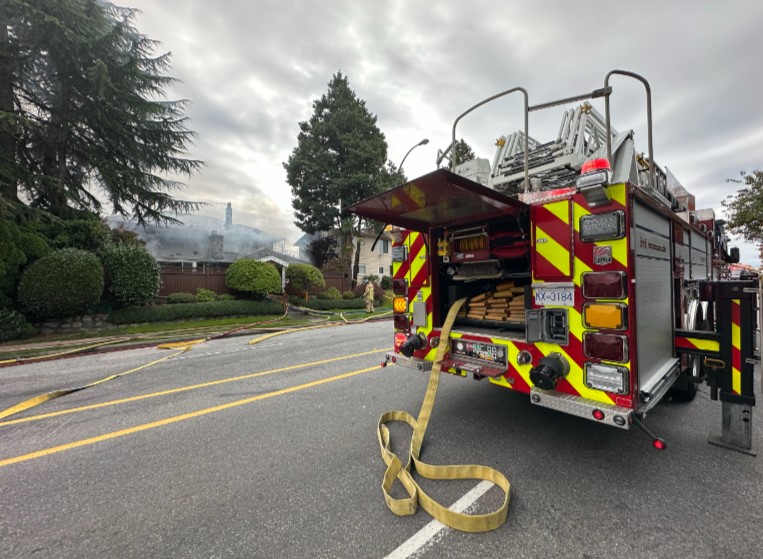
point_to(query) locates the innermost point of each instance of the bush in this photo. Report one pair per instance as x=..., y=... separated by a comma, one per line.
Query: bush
x=386, y=283
x=181, y=298
x=331, y=293
x=225, y=297
x=133, y=271
x=348, y=295
x=205, y=295
x=303, y=277
x=214, y=309
x=13, y=326
x=65, y=282
x=328, y=304
x=254, y=277
x=89, y=234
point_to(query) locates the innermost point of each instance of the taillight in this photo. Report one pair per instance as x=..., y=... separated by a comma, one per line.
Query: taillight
x=401, y=322
x=604, y=285
x=608, y=316
x=610, y=347
x=400, y=286
x=400, y=338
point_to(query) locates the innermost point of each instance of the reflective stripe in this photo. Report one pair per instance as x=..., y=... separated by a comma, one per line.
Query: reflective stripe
x=736, y=348
x=697, y=343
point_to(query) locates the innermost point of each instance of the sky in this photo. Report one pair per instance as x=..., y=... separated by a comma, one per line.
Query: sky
x=252, y=70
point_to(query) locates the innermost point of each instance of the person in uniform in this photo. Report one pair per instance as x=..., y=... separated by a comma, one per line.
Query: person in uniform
x=368, y=295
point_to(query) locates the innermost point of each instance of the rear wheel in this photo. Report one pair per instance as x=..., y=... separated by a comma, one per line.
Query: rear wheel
x=685, y=387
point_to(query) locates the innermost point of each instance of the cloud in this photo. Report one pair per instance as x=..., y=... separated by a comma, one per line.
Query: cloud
x=253, y=69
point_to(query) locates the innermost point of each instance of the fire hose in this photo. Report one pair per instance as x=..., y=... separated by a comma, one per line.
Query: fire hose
x=396, y=471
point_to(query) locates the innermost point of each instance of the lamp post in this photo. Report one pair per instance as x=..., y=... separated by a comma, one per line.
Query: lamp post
x=423, y=142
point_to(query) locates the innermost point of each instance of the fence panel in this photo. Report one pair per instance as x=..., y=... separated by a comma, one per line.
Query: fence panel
x=177, y=279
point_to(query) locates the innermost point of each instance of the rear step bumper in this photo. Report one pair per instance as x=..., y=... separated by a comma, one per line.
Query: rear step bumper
x=613, y=415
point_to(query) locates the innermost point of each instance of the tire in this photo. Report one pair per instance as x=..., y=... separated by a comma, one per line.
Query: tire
x=685, y=387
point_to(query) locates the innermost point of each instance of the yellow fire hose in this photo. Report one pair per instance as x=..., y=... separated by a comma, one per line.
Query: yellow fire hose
x=182, y=346
x=37, y=400
x=396, y=470
x=61, y=353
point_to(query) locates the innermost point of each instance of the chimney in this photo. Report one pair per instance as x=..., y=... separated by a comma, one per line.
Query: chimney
x=215, y=248
x=228, y=215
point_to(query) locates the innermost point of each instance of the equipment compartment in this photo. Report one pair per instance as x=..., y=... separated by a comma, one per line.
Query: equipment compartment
x=490, y=265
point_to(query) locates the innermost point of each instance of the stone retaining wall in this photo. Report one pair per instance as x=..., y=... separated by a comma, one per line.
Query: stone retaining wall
x=72, y=324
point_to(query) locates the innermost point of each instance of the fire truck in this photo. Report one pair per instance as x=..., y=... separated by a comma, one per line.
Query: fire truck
x=586, y=278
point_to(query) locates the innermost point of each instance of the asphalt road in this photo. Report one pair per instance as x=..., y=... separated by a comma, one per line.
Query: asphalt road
x=233, y=450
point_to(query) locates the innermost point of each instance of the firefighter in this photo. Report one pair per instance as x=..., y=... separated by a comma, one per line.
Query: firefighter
x=368, y=295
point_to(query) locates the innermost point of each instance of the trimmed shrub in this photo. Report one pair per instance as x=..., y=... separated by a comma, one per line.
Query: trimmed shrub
x=65, y=282
x=205, y=295
x=254, y=277
x=181, y=298
x=13, y=326
x=386, y=283
x=348, y=295
x=331, y=293
x=213, y=309
x=133, y=272
x=303, y=277
x=225, y=297
x=328, y=304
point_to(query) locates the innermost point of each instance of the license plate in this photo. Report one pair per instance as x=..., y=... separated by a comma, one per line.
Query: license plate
x=560, y=296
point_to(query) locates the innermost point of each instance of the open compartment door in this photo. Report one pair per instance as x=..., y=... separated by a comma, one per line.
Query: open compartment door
x=439, y=199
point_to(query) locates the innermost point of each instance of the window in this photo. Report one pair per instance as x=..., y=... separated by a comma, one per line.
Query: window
x=384, y=247
x=361, y=270
x=381, y=270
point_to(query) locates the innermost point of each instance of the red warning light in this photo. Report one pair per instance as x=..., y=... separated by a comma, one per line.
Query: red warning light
x=598, y=415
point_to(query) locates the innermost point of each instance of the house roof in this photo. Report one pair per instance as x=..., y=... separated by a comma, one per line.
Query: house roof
x=190, y=241
x=268, y=254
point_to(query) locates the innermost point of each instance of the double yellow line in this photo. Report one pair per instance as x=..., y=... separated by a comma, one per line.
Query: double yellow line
x=183, y=417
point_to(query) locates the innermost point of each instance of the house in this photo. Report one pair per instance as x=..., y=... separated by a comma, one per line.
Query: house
x=199, y=240
x=198, y=252
x=376, y=262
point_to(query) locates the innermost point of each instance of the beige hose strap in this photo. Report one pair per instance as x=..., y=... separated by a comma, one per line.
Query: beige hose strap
x=396, y=470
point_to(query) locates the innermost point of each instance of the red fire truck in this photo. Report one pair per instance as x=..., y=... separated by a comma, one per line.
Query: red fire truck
x=586, y=277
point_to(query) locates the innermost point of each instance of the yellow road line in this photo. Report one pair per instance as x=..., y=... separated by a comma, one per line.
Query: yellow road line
x=178, y=418
x=184, y=388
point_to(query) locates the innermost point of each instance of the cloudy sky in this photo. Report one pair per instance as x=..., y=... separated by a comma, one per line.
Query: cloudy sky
x=252, y=69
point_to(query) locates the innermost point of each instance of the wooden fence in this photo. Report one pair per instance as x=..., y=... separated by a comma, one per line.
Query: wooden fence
x=177, y=279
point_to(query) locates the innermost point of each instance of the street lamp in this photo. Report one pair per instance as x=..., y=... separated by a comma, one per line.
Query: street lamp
x=423, y=142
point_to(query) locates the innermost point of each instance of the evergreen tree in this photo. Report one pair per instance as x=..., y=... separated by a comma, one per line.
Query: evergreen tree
x=339, y=160
x=464, y=152
x=87, y=112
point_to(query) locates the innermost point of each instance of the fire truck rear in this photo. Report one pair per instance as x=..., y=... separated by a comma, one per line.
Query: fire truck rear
x=590, y=281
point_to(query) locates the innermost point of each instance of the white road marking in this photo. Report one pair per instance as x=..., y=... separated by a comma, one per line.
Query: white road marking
x=428, y=532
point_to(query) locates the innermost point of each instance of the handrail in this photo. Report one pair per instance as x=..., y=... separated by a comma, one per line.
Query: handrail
x=633, y=75
x=454, y=157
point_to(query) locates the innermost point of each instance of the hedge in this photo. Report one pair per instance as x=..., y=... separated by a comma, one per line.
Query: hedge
x=212, y=309
x=251, y=276
x=133, y=271
x=328, y=304
x=13, y=326
x=65, y=282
